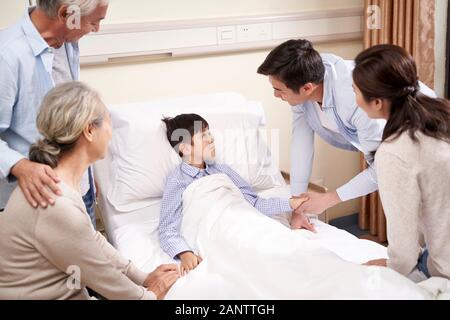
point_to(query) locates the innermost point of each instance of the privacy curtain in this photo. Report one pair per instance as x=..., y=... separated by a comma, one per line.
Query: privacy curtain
x=409, y=24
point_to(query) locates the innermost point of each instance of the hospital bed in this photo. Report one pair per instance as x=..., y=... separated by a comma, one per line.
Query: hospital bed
x=131, y=182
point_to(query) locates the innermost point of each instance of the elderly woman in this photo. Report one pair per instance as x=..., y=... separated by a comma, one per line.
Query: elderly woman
x=54, y=252
x=412, y=163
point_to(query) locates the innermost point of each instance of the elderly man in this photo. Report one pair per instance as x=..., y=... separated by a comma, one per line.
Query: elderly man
x=37, y=53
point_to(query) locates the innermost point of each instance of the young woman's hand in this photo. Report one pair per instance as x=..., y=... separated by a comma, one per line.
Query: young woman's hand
x=376, y=262
x=188, y=262
x=301, y=221
x=162, y=279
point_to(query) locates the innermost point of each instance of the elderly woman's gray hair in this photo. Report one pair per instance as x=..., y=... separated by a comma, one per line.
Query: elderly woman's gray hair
x=65, y=112
x=50, y=7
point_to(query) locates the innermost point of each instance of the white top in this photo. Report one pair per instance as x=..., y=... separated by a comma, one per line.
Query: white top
x=61, y=68
x=414, y=186
x=325, y=120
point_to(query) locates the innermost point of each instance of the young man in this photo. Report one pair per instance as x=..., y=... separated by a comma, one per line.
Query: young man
x=37, y=53
x=319, y=89
x=197, y=151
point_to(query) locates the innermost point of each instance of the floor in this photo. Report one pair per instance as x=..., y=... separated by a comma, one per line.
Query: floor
x=350, y=224
x=368, y=236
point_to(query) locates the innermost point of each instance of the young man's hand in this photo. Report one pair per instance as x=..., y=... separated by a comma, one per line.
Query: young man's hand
x=188, y=262
x=161, y=280
x=296, y=202
x=301, y=221
x=319, y=202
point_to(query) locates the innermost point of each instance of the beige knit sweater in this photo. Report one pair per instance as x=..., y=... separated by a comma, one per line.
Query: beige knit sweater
x=414, y=186
x=41, y=248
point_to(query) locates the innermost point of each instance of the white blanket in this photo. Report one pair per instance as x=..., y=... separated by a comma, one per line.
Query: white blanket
x=250, y=256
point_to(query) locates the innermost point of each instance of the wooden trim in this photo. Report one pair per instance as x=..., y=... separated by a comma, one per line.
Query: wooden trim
x=317, y=187
x=313, y=186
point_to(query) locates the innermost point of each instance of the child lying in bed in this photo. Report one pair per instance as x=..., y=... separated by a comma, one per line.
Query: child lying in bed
x=189, y=135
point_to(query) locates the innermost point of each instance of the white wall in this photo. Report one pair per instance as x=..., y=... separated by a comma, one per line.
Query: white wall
x=234, y=72
x=156, y=10
x=440, y=46
x=119, y=83
x=10, y=11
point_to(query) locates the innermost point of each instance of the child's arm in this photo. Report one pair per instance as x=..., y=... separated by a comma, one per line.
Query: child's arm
x=171, y=241
x=269, y=207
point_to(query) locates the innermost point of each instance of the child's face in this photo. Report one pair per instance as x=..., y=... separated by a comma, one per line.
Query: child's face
x=203, y=148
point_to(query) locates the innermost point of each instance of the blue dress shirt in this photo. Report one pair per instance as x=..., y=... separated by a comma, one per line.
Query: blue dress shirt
x=357, y=132
x=26, y=63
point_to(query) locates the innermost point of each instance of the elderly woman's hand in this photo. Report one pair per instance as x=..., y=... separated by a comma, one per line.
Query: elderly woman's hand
x=162, y=279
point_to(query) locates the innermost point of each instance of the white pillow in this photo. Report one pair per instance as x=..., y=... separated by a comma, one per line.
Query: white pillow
x=142, y=157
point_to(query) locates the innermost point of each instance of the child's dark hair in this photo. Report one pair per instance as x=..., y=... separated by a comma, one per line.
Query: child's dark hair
x=182, y=128
x=295, y=63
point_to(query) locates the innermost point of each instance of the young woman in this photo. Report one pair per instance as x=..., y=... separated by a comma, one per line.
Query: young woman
x=412, y=162
x=54, y=252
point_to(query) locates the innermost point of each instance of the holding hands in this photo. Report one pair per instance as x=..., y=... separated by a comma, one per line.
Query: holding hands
x=161, y=280
x=318, y=202
x=311, y=203
x=300, y=220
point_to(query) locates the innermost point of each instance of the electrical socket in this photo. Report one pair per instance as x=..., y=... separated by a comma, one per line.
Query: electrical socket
x=254, y=32
x=226, y=34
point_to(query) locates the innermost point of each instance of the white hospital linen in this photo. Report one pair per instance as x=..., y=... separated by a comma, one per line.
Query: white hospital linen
x=250, y=256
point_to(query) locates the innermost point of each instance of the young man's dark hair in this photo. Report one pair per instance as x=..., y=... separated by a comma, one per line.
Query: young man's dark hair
x=295, y=63
x=189, y=122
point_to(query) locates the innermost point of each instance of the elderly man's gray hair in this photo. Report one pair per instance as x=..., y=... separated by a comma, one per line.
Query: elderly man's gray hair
x=50, y=7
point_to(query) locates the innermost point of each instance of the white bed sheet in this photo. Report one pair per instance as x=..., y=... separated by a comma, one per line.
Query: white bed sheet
x=135, y=235
x=250, y=256
x=139, y=243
